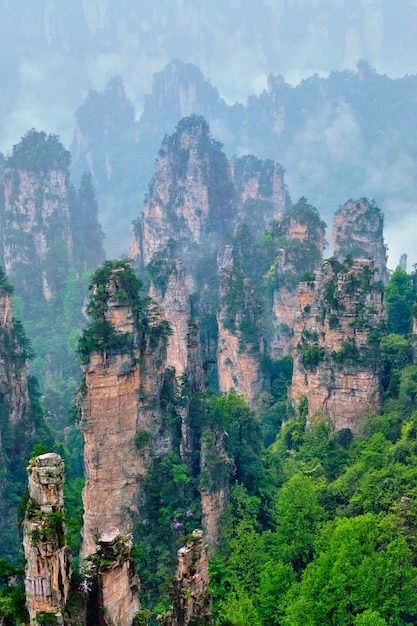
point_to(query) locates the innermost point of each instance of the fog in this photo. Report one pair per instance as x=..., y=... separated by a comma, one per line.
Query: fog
x=53, y=53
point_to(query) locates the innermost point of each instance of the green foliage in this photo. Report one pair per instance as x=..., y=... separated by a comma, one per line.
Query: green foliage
x=100, y=335
x=400, y=296
x=142, y=617
x=298, y=516
x=5, y=284
x=142, y=439
x=12, y=605
x=350, y=575
x=312, y=356
x=44, y=619
x=39, y=152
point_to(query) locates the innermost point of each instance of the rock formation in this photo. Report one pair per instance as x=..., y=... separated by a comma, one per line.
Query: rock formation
x=239, y=342
x=48, y=559
x=190, y=596
x=337, y=365
x=358, y=231
x=120, y=405
x=43, y=225
x=214, y=484
x=195, y=200
x=17, y=421
x=261, y=193
x=112, y=571
x=170, y=290
x=300, y=243
x=190, y=196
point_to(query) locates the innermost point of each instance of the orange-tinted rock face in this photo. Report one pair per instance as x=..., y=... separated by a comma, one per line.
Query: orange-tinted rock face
x=174, y=301
x=48, y=560
x=238, y=359
x=303, y=254
x=190, y=596
x=358, y=231
x=121, y=403
x=336, y=366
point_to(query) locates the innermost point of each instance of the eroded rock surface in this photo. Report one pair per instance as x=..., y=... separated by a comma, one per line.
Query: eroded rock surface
x=48, y=559
x=337, y=364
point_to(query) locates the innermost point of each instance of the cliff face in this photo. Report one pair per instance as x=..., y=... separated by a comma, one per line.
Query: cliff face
x=44, y=226
x=239, y=342
x=299, y=237
x=48, y=559
x=190, y=596
x=336, y=367
x=190, y=195
x=13, y=377
x=195, y=200
x=358, y=231
x=17, y=423
x=36, y=214
x=261, y=192
x=170, y=290
x=123, y=380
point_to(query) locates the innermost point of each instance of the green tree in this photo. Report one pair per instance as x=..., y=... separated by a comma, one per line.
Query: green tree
x=399, y=295
x=298, y=515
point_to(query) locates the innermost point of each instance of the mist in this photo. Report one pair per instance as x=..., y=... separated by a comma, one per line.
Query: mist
x=53, y=54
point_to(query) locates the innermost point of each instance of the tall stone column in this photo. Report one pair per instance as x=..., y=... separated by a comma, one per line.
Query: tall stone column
x=48, y=558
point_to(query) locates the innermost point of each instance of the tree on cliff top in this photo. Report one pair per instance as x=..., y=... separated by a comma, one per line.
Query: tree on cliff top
x=38, y=151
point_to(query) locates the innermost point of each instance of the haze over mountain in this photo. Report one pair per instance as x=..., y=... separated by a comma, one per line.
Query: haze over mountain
x=53, y=53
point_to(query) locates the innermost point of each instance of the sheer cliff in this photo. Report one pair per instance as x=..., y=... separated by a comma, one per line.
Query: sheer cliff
x=337, y=366
x=123, y=358
x=358, y=230
x=45, y=227
x=197, y=202
x=48, y=558
x=21, y=416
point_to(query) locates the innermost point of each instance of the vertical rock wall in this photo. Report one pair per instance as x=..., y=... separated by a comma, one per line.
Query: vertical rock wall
x=238, y=359
x=358, y=231
x=36, y=216
x=15, y=411
x=174, y=300
x=121, y=415
x=48, y=559
x=190, y=596
x=337, y=365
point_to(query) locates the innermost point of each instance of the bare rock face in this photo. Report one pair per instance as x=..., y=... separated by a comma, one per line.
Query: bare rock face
x=190, y=596
x=45, y=225
x=358, y=231
x=48, y=559
x=239, y=342
x=120, y=416
x=214, y=484
x=172, y=294
x=114, y=574
x=336, y=367
x=37, y=211
x=184, y=203
x=261, y=192
x=302, y=234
